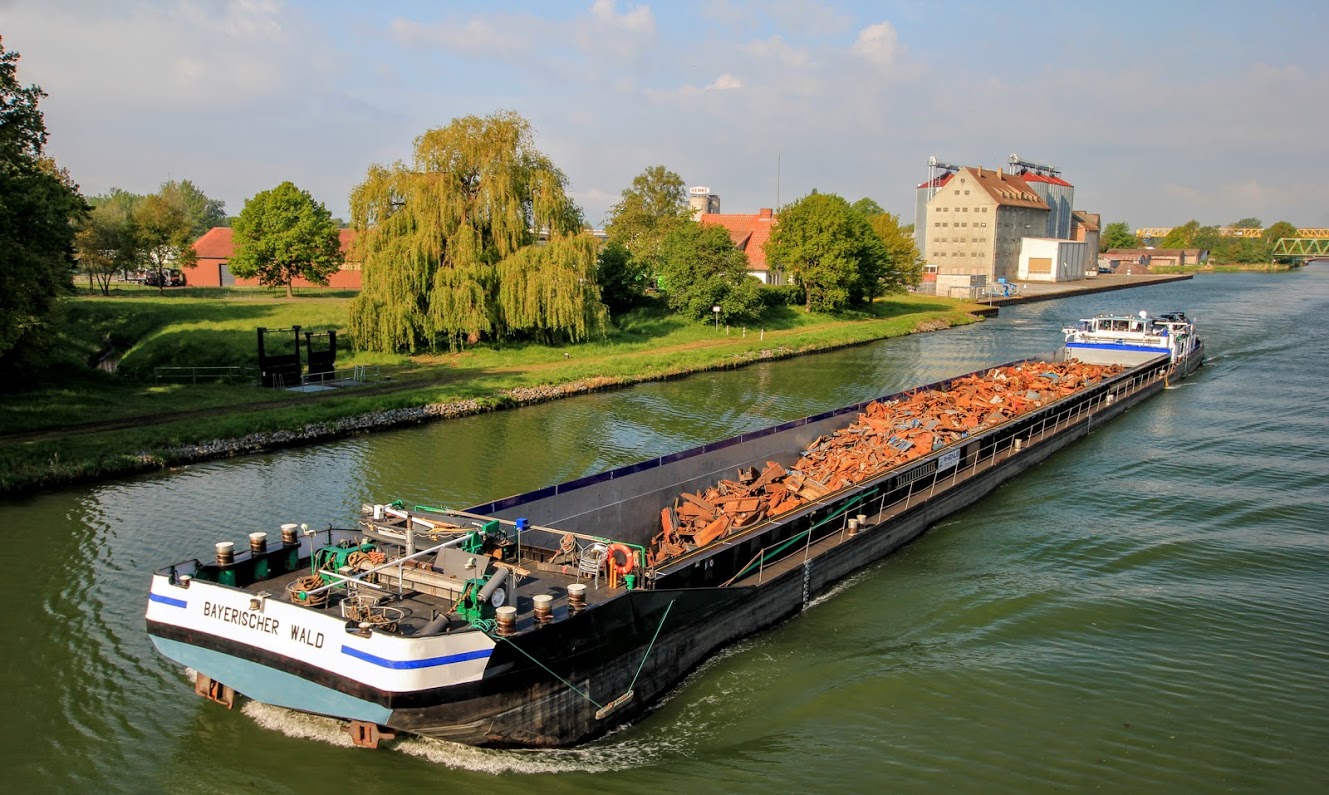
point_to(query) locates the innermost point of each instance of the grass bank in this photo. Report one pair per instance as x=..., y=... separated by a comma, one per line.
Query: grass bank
x=179, y=423
x=1219, y=267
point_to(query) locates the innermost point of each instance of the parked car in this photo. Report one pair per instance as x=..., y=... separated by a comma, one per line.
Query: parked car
x=167, y=277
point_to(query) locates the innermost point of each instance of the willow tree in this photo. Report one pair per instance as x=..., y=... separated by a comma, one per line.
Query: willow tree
x=446, y=243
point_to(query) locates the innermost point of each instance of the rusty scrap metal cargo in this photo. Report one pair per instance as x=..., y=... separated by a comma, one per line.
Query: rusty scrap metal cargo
x=887, y=434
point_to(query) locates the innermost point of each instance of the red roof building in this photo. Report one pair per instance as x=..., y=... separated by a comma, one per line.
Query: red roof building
x=749, y=233
x=216, y=247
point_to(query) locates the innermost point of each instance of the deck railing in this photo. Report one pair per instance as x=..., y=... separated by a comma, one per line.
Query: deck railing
x=1001, y=451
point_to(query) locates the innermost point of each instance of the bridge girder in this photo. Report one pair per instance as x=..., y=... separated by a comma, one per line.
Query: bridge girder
x=1301, y=247
x=1236, y=231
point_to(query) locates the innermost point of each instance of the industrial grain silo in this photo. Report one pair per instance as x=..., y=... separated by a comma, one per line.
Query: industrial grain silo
x=702, y=201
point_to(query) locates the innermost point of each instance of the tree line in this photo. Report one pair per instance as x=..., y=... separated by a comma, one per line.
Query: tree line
x=475, y=238
x=1222, y=248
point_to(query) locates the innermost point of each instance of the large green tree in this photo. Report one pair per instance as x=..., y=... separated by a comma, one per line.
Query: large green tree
x=165, y=233
x=1279, y=230
x=203, y=213
x=39, y=205
x=701, y=268
x=648, y=212
x=830, y=250
x=1116, y=235
x=436, y=236
x=283, y=233
x=904, y=265
x=107, y=239
x=867, y=207
x=1182, y=236
x=623, y=280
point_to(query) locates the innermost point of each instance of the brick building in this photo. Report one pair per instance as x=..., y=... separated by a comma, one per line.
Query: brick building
x=216, y=247
x=750, y=233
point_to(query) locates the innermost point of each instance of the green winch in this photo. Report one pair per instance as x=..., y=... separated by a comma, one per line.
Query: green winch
x=481, y=597
x=336, y=557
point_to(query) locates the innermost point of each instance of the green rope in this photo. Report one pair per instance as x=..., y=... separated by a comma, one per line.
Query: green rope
x=651, y=646
x=481, y=625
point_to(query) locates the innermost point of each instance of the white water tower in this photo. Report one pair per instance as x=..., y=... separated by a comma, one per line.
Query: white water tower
x=702, y=202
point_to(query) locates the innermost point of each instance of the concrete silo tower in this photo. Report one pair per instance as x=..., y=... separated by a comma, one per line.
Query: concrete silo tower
x=702, y=202
x=1058, y=193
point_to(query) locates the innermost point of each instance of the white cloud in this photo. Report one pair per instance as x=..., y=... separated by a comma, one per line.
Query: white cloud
x=608, y=35
x=796, y=17
x=725, y=82
x=586, y=47
x=879, y=44
x=636, y=20
x=777, y=49
x=500, y=38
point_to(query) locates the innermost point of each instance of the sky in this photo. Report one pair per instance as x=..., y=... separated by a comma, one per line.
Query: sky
x=1158, y=112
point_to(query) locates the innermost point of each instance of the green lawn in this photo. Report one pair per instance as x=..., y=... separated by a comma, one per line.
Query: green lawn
x=219, y=330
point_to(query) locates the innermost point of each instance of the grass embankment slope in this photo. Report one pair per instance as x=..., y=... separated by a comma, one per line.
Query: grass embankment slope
x=1226, y=267
x=81, y=424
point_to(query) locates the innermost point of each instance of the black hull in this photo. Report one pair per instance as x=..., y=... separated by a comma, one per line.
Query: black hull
x=522, y=703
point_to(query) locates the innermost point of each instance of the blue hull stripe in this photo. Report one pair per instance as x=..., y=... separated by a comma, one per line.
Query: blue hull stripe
x=166, y=600
x=1108, y=346
x=409, y=664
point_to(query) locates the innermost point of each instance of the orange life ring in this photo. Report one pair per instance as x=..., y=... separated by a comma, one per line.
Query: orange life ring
x=621, y=569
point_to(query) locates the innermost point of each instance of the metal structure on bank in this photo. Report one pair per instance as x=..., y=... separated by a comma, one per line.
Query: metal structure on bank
x=1309, y=233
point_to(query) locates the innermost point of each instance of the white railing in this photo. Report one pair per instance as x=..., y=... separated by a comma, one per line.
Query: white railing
x=358, y=374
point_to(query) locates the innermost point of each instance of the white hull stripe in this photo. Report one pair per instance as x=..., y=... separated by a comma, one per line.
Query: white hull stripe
x=410, y=664
x=166, y=600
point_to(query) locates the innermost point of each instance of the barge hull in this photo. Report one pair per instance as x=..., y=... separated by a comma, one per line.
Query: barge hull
x=584, y=673
x=546, y=713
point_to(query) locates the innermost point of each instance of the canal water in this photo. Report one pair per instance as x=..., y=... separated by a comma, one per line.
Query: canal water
x=1146, y=611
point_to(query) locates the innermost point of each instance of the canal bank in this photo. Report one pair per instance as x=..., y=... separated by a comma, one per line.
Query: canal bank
x=105, y=461
x=1033, y=292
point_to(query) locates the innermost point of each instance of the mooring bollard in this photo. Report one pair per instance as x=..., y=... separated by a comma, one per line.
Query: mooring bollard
x=544, y=608
x=577, y=597
x=507, y=620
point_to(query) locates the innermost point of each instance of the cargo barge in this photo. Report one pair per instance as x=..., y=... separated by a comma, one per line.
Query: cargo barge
x=547, y=618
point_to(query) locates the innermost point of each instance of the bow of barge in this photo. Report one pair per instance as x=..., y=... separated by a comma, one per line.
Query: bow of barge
x=548, y=618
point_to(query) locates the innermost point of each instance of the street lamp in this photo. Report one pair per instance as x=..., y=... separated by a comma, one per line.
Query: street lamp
x=715, y=310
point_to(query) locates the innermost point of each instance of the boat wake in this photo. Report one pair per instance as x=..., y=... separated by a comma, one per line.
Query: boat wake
x=842, y=585
x=604, y=756
x=601, y=757
x=297, y=724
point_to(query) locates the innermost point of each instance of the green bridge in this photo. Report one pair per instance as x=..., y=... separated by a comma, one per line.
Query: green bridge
x=1301, y=247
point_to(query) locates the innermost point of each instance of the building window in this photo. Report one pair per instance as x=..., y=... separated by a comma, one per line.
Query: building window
x=966, y=193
